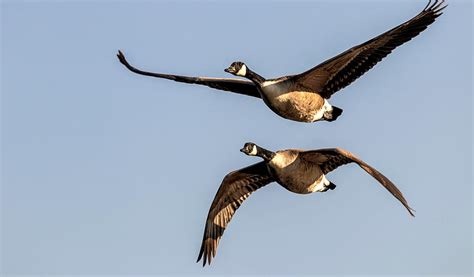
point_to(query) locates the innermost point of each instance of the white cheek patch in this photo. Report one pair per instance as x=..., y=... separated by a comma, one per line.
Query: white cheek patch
x=254, y=151
x=242, y=71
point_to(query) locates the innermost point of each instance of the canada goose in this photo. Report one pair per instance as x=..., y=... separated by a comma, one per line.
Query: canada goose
x=303, y=97
x=296, y=170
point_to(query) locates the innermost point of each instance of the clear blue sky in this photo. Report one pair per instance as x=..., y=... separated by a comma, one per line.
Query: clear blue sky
x=108, y=172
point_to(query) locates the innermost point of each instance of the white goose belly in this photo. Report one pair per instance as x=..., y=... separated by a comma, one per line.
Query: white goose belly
x=302, y=106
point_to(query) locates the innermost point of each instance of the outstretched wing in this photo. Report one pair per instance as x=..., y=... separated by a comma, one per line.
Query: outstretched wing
x=338, y=72
x=234, y=189
x=228, y=84
x=331, y=158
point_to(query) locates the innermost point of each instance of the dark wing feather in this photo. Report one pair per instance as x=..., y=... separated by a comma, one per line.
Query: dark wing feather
x=228, y=84
x=340, y=71
x=332, y=158
x=234, y=189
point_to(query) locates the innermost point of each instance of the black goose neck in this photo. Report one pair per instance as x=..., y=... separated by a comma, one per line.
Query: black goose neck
x=254, y=77
x=267, y=155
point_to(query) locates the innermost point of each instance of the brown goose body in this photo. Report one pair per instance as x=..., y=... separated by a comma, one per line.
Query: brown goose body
x=297, y=174
x=293, y=102
x=296, y=170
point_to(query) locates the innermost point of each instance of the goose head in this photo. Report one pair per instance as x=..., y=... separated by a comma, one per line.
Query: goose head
x=237, y=68
x=251, y=149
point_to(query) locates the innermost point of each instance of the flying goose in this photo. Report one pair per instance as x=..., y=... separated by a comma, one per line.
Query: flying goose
x=303, y=97
x=298, y=171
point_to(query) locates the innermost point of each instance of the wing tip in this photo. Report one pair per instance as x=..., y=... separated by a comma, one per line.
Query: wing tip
x=206, y=254
x=204, y=260
x=122, y=58
x=411, y=211
x=436, y=7
x=199, y=257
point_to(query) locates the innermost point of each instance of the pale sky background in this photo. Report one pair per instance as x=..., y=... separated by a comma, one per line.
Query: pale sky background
x=108, y=172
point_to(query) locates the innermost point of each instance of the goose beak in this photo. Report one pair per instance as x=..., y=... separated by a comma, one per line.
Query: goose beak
x=230, y=70
x=242, y=150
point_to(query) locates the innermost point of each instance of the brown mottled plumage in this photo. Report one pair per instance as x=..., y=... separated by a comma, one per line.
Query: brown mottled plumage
x=298, y=171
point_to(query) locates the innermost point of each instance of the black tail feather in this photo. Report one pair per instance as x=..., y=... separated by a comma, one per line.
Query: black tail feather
x=335, y=113
x=331, y=186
